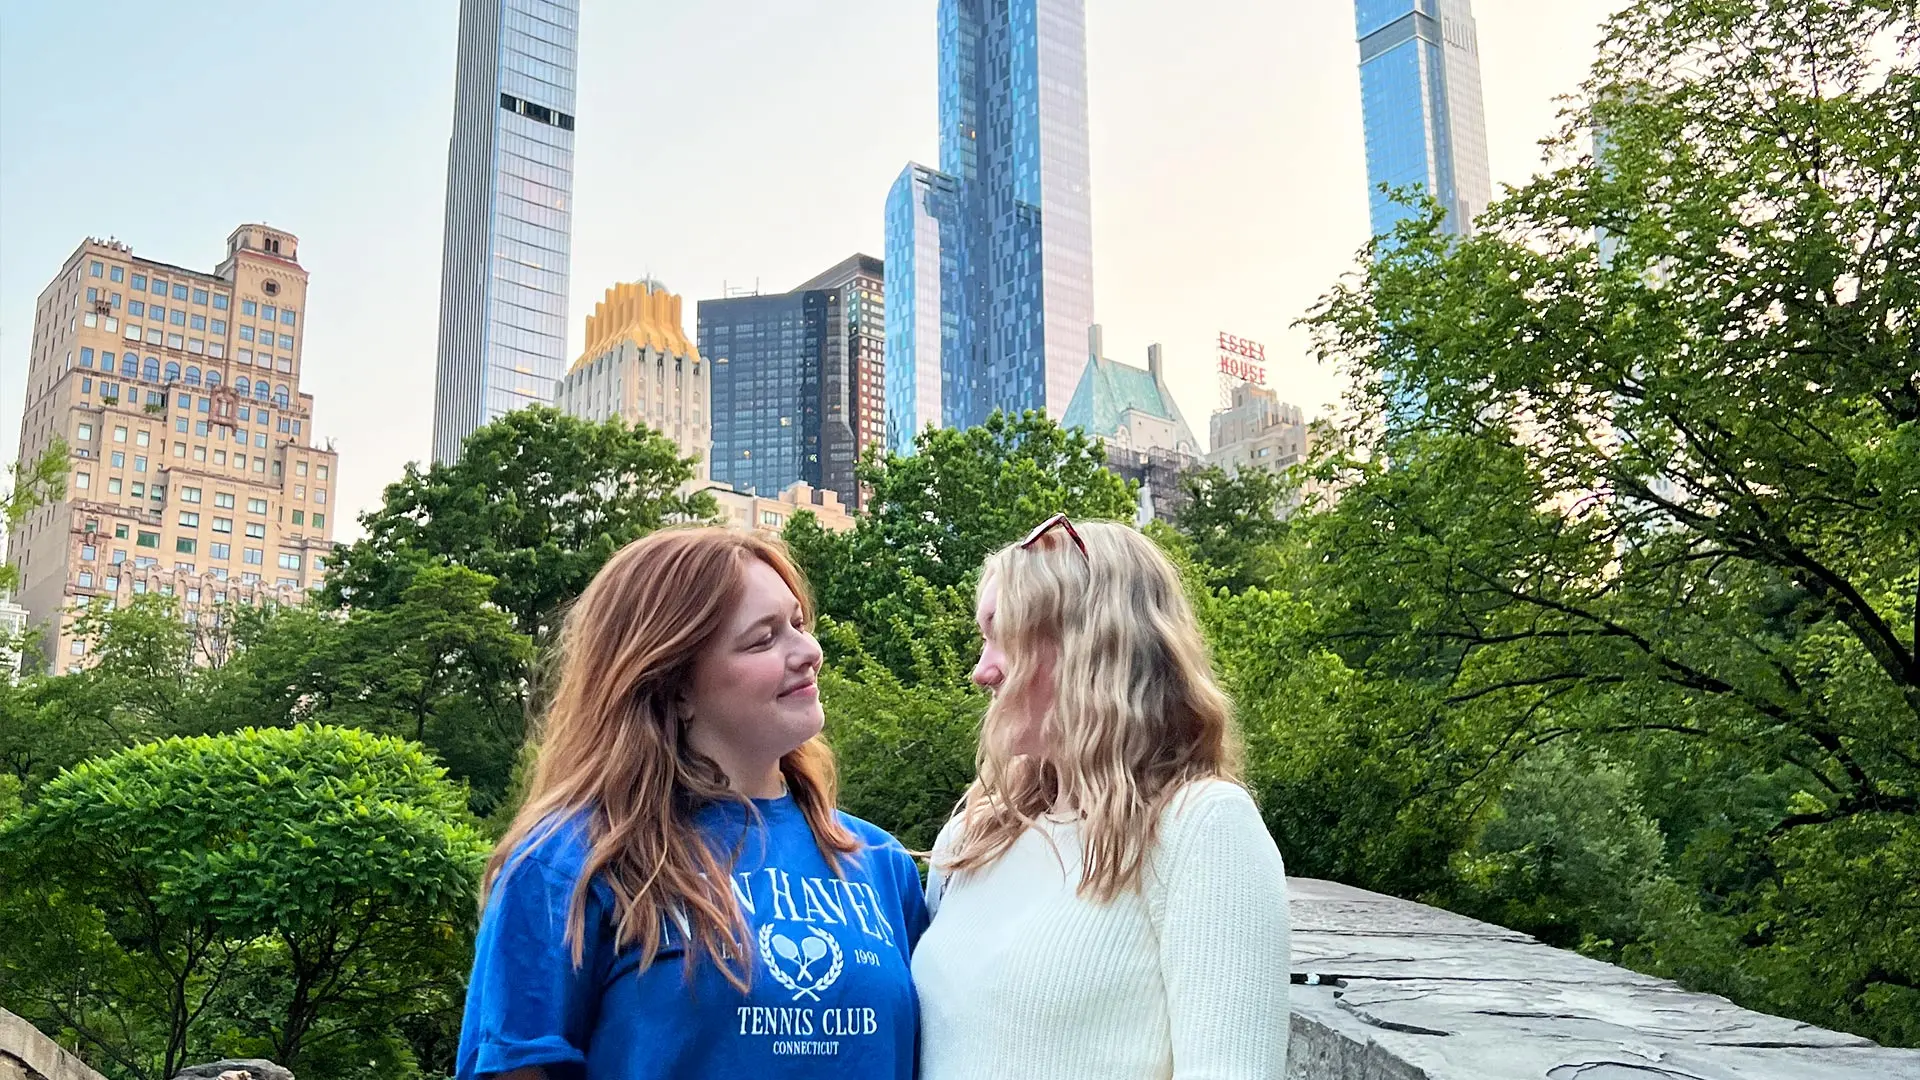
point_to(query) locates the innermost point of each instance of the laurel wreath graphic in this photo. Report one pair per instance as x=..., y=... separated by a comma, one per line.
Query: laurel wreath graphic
x=812, y=990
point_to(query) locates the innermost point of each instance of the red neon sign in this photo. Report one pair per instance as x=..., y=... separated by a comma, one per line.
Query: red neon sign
x=1243, y=359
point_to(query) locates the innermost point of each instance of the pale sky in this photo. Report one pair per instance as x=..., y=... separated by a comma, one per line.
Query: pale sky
x=718, y=142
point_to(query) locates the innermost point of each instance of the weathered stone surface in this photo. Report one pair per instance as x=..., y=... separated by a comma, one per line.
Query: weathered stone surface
x=1423, y=994
x=235, y=1069
x=26, y=1054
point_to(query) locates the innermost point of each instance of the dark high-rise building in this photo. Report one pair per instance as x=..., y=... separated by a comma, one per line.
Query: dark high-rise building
x=798, y=381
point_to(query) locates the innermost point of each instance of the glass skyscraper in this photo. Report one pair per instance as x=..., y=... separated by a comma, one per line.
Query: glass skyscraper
x=797, y=381
x=1003, y=230
x=503, y=275
x=1420, y=95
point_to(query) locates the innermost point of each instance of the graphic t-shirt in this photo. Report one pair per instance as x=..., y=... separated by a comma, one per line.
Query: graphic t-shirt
x=830, y=990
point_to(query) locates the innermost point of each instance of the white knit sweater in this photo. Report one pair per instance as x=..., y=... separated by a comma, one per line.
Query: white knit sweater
x=1022, y=979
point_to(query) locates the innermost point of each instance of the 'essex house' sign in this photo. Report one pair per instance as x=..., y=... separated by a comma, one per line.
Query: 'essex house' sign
x=1242, y=359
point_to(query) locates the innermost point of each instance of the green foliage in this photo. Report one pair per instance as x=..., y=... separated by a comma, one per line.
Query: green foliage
x=902, y=580
x=35, y=486
x=1233, y=523
x=538, y=501
x=905, y=752
x=288, y=891
x=1636, y=472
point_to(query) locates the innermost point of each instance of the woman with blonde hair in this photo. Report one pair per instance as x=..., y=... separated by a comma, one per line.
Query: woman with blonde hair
x=1107, y=903
x=678, y=897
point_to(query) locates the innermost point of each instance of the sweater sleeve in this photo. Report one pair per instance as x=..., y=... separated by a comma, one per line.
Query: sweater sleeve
x=1223, y=931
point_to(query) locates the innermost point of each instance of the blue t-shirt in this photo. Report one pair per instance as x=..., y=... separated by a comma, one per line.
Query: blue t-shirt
x=830, y=989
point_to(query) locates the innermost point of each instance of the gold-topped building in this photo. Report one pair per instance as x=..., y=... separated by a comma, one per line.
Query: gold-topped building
x=192, y=465
x=640, y=365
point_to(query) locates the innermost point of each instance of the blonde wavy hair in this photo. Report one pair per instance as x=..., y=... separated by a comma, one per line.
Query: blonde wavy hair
x=614, y=749
x=1136, y=715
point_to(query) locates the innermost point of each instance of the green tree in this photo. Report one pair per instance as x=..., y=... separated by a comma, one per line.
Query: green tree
x=294, y=892
x=1233, y=523
x=32, y=488
x=902, y=580
x=1642, y=457
x=538, y=501
x=443, y=667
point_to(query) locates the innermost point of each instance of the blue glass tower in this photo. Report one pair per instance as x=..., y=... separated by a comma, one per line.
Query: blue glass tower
x=1420, y=96
x=1002, y=231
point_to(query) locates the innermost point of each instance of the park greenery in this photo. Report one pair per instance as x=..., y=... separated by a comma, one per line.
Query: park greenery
x=1594, y=614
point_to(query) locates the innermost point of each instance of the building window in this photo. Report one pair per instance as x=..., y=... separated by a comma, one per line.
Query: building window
x=96, y=270
x=119, y=531
x=139, y=490
x=85, y=579
x=223, y=499
x=200, y=297
x=248, y=307
x=184, y=545
x=147, y=539
x=119, y=459
x=77, y=647
x=116, y=273
x=88, y=552
x=269, y=312
x=197, y=322
x=222, y=525
x=119, y=434
x=299, y=517
x=319, y=520
x=320, y=495
x=193, y=595
x=179, y=291
x=220, y=551
x=178, y=316
x=256, y=506
x=246, y=333
x=286, y=342
x=253, y=557
x=140, y=462
x=82, y=481
x=289, y=562
x=256, y=530
x=143, y=437
x=176, y=341
x=84, y=433
x=190, y=519
x=219, y=302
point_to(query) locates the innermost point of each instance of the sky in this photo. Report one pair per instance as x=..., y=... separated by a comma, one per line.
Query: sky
x=720, y=143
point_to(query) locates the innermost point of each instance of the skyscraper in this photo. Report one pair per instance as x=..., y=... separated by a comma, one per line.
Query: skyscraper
x=1420, y=95
x=191, y=450
x=503, y=274
x=639, y=366
x=1011, y=213
x=926, y=338
x=798, y=382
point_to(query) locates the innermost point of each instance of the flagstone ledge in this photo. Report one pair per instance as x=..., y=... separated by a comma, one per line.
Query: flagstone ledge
x=1411, y=992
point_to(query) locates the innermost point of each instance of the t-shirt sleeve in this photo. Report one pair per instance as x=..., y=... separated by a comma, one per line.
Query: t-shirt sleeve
x=1224, y=940
x=527, y=1004
x=913, y=904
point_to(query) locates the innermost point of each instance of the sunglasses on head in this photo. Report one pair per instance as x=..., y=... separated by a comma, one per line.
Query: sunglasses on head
x=1056, y=521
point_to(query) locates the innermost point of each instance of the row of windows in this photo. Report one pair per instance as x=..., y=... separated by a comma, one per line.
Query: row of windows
x=179, y=290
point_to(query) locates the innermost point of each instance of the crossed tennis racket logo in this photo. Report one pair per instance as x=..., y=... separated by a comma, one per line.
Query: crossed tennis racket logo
x=795, y=965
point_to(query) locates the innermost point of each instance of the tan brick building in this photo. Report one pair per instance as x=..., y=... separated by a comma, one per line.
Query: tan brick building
x=192, y=468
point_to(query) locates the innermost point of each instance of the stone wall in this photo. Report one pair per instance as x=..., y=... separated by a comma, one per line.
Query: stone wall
x=1403, y=991
x=26, y=1054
